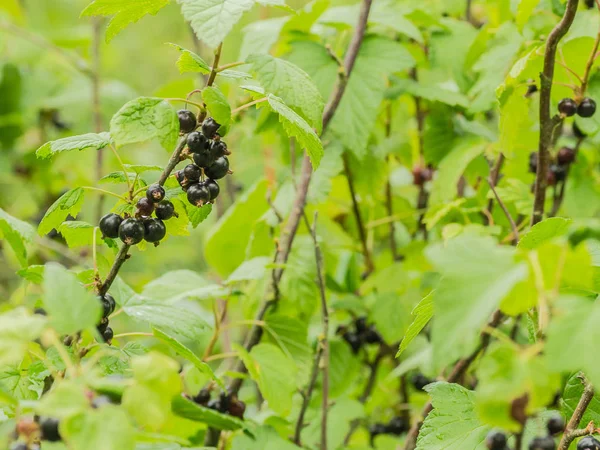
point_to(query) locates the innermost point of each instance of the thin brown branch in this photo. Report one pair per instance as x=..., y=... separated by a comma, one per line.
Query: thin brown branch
x=306, y=396
x=495, y=176
x=571, y=431
x=215, y=65
x=121, y=257
x=590, y=63
x=547, y=122
x=513, y=225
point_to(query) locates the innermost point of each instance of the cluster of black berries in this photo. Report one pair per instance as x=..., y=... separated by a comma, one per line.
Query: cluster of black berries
x=419, y=381
x=108, y=307
x=362, y=334
x=132, y=230
x=396, y=426
x=209, y=153
x=496, y=440
x=558, y=166
x=588, y=443
x=569, y=107
x=225, y=404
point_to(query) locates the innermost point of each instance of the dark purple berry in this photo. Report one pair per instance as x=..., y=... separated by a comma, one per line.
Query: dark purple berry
x=214, y=405
x=164, y=210
x=203, y=397
x=213, y=189
x=131, y=231
x=108, y=305
x=198, y=194
x=183, y=182
x=353, y=340
x=531, y=89
x=587, y=107
x=590, y=3
x=187, y=121
x=203, y=159
x=197, y=142
x=145, y=207
x=154, y=230
x=210, y=127
x=588, y=443
x=103, y=325
x=421, y=175
x=109, y=225
x=397, y=426
x=192, y=172
x=565, y=156
x=542, y=443
x=361, y=325
x=156, y=193
x=371, y=336
x=218, y=149
x=237, y=408
x=218, y=169
x=49, y=429
x=419, y=381
x=567, y=107
x=560, y=172
x=40, y=311
x=555, y=424
x=496, y=440
x=108, y=335
x=377, y=429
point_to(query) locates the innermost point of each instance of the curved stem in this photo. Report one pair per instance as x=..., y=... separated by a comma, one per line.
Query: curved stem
x=571, y=432
x=248, y=105
x=114, y=150
x=230, y=66
x=104, y=191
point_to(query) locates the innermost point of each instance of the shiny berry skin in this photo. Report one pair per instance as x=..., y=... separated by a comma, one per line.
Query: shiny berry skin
x=560, y=172
x=397, y=426
x=587, y=107
x=109, y=225
x=565, y=155
x=542, y=443
x=210, y=127
x=154, y=230
x=567, y=107
x=533, y=162
x=156, y=193
x=183, y=182
x=197, y=142
x=531, y=89
x=49, y=430
x=555, y=424
x=187, y=121
x=102, y=326
x=108, y=335
x=213, y=189
x=108, y=305
x=496, y=440
x=214, y=405
x=203, y=159
x=218, y=169
x=203, y=397
x=145, y=207
x=419, y=381
x=237, y=408
x=588, y=443
x=192, y=172
x=131, y=231
x=550, y=177
x=164, y=210
x=198, y=194
x=218, y=149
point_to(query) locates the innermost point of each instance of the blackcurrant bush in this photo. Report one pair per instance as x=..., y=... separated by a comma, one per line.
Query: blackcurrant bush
x=587, y=107
x=588, y=443
x=361, y=324
x=533, y=162
x=49, y=429
x=145, y=207
x=102, y=326
x=555, y=424
x=218, y=149
x=108, y=305
x=567, y=107
x=371, y=336
x=237, y=408
x=131, y=231
x=198, y=194
x=565, y=156
x=577, y=132
x=187, y=121
x=155, y=193
x=560, y=172
x=192, y=172
x=496, y=440
x=210, y=127
x=204, y=159
x=542, y=443
x=109, y=225
x=218, y=169
x=203, y=397
x=419, y=381
x=397, y=426
x=213, y=188
x=101, y=400
x=164, y=210
x=353, y=340
x=225, y=401
x=108, y=335
x=377, y=429
x=154, y=230
x=197, y=142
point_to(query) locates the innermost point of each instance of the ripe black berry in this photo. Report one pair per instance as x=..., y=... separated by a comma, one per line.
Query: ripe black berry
x=145, y=207
x=588, y=443
x=555, y=424
x=353, y=340
x=164, y=210
x=197, y=142
x=361, y=324
x=192, y=172
x=155, y=193
x=108, y=305
x=109, y=225
x=213, y=189
x=187, y=121
x=218, y=169
x=198, y=194
x=210, y=127
x=371, y=336
x=565, y=155
x=377, y=429
x=108, y=335
x=203, y=397
x=496, y=440
x=567, y=107
x=542, y=443
x=154, y=230
x=183, y=182
x=203, y=158
x=533, y=162
x=559, y=172
x=587, y=107
x=49, y=429
x=531, y=89
x=397, y=426
x=218, y=149
x=131, y=231
x=237, y=408
x=103, y=325
x=419, y=381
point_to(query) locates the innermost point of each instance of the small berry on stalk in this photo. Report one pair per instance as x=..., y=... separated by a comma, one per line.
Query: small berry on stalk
x=156, y=193
x=371, y=336
x=210, y=127
x=40, y=311
x=192, y=172
x=203, y=397
x=555, y=424
x=542, y=443
x=103, y=325
x=108, y=335
x=164, y=210
x=560, y=172
x=567, y=107
x=588, y=443
x=565, y=156
x=376, y=429
x=154, y=230
x=361, y=325
x=131, y=231
x=531, y=89
x=218, y=169
x=353, y=340
x=197, y=142
x=109, y=225
x=587, y=107
x=496, y=440
x=218, y=149
x=145, y=207
x=108, y=305
x=198, y=194
x=397, y=426
x=550, y=177
x=49, y=429
x=421, y=175
x=237, y=408
x=203, y=159
x=419, y=381
x=180, y=177
x=213, y=189
x=187, y=121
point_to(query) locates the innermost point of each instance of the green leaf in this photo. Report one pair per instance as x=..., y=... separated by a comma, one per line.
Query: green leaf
x=124, y=12
x=217, y=105
x=141, y=168
x=180, y=285
x=191, y=411
x=265, y=438
x=17, y=233
x=292, y=84
x=17, y=330
x=296, y=126
x=190, y=62
x=145, y=119
x=543, y=232
x=253, y=269
x=197, y=215
x=187, y=354
x=571, y=396
x=18, y=384
x=68, y=203
x=389, y=314
x=33, y=273
x=83, y=142
x=427, y=91
x=117, y=177
x=108, y=428
x=78, y=234
x=476, y=276
x=390, y=14
x=524, y=11
x=70, y=307
x=423, y=313
x=453, y=424
x=66, y=399
x=314, y=59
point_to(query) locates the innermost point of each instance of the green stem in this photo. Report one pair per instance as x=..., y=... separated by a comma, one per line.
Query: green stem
x=104, y=191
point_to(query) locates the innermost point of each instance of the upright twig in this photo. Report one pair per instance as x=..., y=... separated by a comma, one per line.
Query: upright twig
x=571, y=432
x=548, y=122
x=513, y=225
x=307, y=395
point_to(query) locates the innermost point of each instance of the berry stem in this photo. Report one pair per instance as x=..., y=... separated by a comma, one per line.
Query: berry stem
x=248, y=105
x=104, y=191
x=590, y=62
x=230, y=66
x=183, y=100
x=215, y=65
x=114, y=150
x=513, y=225
x=133, y=333
x=571, y=432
